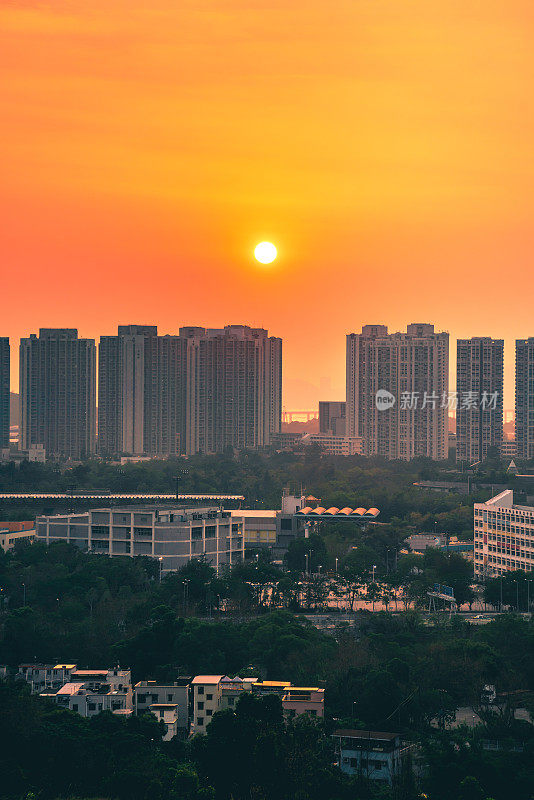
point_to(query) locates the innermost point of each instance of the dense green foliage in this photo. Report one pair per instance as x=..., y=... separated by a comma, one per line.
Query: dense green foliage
x=404, y=672
x=261, y=477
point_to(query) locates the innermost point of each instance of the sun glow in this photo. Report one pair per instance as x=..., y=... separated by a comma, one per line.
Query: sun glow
x=265, y=252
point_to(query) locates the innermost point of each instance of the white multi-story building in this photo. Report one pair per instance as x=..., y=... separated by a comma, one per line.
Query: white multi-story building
x=172, y=535
x=86, y=691
x=149, y=694
x=335, y=445
x=504, y=536
x=8, y=539
x=397, y=391
x=207, y=693
x=168, y=714
x=89, y=701
x=42, y=677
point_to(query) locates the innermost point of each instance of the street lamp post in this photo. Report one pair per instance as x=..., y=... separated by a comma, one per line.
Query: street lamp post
x=528, y=596
x=307, y=560
x=160, y=559
x=336, y=564
x=374, y=567
x=24, y=594
x=186, y=592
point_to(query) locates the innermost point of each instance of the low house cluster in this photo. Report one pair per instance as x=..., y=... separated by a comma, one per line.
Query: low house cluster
x=185, y=706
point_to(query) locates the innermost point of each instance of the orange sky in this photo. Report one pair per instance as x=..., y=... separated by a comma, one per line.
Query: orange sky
x=384, y=146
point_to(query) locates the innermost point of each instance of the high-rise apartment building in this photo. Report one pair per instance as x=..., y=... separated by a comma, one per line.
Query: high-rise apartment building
x=57, y=393
x=332, y=417
x=524, y=397
x=201, y=391
x=141, y=392
x=234, y=388
x=479, y=384
x=4, y=391
x=397, y=391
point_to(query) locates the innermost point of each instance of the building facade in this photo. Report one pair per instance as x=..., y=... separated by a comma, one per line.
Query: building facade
x=370, y=754
x=334, y=445
x=141, y=392
x=173, y=536
x=397, y=391
x=479, y=383
x=57, y=393
x=332, y=417
x=5, y=363
x=524, y=397
x=234, y=388
x=503, y=536
x=175, y=695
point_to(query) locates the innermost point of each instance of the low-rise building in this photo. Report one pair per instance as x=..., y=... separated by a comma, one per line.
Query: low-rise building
x=168, y=714
x=43, y=677
x=89, y=700
x=232, y=689
x=8, y=538
x=272, y=529
x=371, y=754
x=172, y=535
x=503, y=536
x=298, y=700
x=335, y=445
x=176, y=694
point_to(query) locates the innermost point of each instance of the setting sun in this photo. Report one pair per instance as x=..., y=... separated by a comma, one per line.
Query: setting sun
x=265, y=252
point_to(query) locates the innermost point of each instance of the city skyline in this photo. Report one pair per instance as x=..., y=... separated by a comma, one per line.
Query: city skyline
x=328, y=386
x=383, y=149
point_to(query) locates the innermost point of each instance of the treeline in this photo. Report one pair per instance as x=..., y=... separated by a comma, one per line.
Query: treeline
x=261, y=477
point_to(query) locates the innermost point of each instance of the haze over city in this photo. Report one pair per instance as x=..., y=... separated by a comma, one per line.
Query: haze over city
x=383, y=147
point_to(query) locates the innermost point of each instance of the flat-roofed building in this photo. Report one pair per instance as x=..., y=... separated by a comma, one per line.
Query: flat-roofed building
x=503, y=536
x=207, y=692
x=524, y=397
x=9, y=539
x=4, y=392
x=335, y=445
x=396, y=387
x=57, y=393
x=88, y=701
x=234, y=388
x=168, y=714
x=172, y=535
x=298, y=700
x=332, y=417
x=370, y=754
x=479, y=384
x=176, y=694
x=41, y=677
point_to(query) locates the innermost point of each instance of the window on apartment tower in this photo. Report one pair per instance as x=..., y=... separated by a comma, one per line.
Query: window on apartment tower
x=200, y=720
